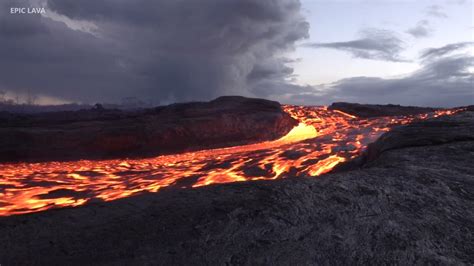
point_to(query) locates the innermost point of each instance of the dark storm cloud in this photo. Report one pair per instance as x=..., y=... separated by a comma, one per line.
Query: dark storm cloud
x=444, y=50
x=444, y=82
x=44, y=57
x=160, y=50
x=373, y=44
x=421, y=30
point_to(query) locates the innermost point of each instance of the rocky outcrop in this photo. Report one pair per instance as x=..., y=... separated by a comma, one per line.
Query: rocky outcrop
x=376, y=110
x=442, y=130
x=408, y=205
x=99, y=133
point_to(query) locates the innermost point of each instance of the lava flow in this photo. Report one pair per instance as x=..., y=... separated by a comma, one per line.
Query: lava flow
x=323, y=139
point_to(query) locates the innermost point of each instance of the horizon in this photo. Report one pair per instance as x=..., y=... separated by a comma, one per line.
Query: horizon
x=143, y=105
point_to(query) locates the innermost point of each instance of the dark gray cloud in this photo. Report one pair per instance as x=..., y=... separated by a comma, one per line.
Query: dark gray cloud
x=433, y=53
x=375, y=44
x=421, y=30
x=444, y=81
x=441, y=83
x=162, y=50
x=436, y=11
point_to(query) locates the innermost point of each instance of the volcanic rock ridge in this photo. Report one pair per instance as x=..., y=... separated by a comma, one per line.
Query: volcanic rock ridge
x=101, y=133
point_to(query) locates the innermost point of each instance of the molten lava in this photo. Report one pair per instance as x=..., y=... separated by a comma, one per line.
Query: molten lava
x=323, y=139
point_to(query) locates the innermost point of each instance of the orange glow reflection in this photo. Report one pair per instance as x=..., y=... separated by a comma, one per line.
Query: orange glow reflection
x=323, y=139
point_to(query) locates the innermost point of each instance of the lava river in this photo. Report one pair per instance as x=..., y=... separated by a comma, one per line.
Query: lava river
x=322, y=139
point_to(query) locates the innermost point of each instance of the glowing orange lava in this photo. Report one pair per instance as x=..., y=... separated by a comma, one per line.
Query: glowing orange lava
x=323, y=139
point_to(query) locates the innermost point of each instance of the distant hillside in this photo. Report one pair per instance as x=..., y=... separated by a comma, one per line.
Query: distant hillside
x=28, y=108
x=31, y=109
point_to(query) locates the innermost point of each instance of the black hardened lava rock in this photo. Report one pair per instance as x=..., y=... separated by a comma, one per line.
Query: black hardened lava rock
x=408, y=205
x=376, y=110
x=102, y=133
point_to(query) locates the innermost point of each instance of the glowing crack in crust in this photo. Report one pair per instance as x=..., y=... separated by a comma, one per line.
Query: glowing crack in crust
x=322, y=139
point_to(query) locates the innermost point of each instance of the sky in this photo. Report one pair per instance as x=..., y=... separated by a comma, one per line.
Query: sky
x=309, y=52
x=415, y=25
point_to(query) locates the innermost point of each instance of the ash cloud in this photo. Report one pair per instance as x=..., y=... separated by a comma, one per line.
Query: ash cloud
x=161, y=50
x=374, y=44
